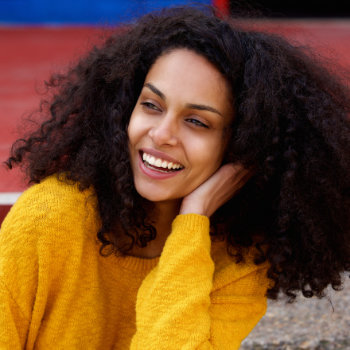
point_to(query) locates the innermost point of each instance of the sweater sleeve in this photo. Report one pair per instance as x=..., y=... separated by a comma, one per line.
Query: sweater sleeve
x=178, y=305
x=13, y=324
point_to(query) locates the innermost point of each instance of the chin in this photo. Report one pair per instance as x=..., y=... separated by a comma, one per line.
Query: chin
x=153, y=196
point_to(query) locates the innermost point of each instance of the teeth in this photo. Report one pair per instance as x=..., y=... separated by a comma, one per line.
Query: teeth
x=160, y=163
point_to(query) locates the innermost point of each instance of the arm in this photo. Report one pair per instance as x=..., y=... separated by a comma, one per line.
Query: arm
x=18, y=272
x=13, y=323
x=18, y=280
x=35, y=257
x=179, y=306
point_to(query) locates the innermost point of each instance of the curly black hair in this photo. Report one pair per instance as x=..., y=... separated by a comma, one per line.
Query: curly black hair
x=291, y=125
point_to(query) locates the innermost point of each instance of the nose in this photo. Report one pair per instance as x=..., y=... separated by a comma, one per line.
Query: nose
x=165, y=131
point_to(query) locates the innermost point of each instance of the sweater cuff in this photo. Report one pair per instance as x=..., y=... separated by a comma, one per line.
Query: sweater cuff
x=191, y=221
x=190, y=230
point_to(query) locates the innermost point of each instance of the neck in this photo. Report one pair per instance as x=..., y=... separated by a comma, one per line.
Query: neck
x=163, y=215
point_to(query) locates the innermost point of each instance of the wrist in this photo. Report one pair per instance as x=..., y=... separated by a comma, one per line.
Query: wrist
x=192, y=209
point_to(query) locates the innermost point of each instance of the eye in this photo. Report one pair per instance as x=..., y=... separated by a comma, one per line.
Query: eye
x=151, y=106
x=197, y=123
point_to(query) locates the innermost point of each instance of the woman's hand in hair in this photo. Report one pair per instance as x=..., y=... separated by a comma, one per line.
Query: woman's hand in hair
x=216, y=191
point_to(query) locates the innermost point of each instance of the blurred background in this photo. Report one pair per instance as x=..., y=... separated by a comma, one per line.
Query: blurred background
x=40, y=37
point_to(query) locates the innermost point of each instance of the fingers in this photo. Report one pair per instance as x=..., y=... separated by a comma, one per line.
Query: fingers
x=227, y=181
x=217, y=190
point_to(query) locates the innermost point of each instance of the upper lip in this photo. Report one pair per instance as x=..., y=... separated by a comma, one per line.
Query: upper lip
x=158, y=154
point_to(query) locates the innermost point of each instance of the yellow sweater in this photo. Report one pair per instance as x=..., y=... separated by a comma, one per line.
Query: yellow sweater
x=58, y=292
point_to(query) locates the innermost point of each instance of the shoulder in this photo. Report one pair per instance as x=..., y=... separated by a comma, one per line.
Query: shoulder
x=53, y=193
x=54, y=205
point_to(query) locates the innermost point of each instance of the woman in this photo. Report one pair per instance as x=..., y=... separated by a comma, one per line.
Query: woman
x=179, y=118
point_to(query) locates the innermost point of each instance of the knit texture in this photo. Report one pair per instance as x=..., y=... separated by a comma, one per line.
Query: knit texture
x=57, y=291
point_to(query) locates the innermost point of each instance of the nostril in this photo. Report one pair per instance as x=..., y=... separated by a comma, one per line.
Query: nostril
x=162, y=137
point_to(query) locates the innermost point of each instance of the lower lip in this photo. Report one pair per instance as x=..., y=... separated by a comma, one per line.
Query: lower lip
x=154, y=174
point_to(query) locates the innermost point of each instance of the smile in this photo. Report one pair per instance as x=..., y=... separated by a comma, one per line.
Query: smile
x=159, y=164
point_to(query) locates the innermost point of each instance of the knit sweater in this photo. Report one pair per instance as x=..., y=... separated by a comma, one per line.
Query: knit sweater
x=58, y=292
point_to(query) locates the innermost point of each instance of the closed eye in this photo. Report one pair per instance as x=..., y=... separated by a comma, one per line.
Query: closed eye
x=197, y=123
x=150, y=105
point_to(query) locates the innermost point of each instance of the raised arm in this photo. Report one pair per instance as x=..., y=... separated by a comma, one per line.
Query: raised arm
x=181, y=306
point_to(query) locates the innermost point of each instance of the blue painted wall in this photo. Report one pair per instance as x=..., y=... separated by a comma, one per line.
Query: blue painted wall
x=79, y=11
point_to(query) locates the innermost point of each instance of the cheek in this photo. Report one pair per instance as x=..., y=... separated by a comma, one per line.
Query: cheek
x=133, y=129
x=130, y=133
x=207, y=156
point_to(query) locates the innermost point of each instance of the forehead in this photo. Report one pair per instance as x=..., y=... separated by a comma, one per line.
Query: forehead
x=188, y=75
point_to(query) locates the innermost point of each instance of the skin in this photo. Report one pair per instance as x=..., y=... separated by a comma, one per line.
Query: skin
x=183, y=112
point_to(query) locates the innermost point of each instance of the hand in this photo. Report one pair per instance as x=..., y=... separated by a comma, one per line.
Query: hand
x=216, y=191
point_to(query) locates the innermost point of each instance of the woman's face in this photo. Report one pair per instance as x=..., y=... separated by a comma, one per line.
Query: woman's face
x=176, y=132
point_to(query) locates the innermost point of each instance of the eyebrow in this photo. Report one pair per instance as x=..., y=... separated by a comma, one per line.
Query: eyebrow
x=155, y=90
x=199, y=107
x=203, y=108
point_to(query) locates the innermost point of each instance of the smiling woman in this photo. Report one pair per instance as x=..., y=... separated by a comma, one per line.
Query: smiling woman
x=211, y=164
